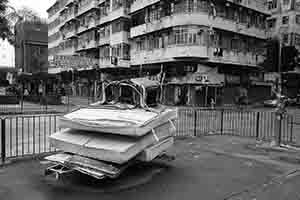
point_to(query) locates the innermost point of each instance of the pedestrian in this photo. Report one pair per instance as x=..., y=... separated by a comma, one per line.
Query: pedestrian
x=26, y=92
x=40, y=89
x=212, y=103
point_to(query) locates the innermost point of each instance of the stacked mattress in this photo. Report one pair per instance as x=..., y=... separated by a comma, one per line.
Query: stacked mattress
x=115, y=136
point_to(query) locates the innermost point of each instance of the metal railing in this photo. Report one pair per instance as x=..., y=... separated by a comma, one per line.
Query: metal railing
x=34, y=104
x=256, y=124
x=26, y=135
x=29, y=134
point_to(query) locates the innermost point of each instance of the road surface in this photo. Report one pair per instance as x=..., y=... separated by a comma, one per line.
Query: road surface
x=209, y=168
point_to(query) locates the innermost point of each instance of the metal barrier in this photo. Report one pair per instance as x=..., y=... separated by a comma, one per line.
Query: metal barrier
x=257, y=124
x=26, y=135
x=44, y=104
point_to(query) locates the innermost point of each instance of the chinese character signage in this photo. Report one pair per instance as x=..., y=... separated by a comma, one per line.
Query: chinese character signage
x=75, y=62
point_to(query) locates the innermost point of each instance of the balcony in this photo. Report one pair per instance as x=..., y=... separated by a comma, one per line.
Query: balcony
x=63, y=6
x=53, y=30
x=70, y=33
x=69, y=2
x=84, y=44
x=104, y=40
x=240, y=28
x=67, y=18
x=68, y=47
x=257, y=5
x=93, y=4
x=271, y=32
x=105, y=62
x=138, y=5
x=170, y=53
x=104, y=19
x=197, y=19
x=239, y=58
x=91, y=24
x=119, y=37
x=67, y=50
x=54, y=43
x=121, y=12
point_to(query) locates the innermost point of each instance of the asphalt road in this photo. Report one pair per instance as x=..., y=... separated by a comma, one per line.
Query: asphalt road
x=198, y=172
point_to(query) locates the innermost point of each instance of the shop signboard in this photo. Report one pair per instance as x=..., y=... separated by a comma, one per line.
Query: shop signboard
x=201, y=78
x=74, y=62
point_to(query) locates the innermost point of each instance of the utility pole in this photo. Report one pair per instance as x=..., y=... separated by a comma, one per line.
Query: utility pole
x=280, y=110
x=279, y=68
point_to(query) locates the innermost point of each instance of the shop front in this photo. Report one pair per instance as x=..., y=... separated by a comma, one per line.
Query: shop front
x=202, y=88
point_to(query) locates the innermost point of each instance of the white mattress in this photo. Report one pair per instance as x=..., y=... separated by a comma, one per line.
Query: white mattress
x=106, y=147
x=136, y=122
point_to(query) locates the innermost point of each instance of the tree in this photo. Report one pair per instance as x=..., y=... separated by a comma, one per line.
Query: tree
x=5, y=29
x=9, y=16
x=23, y=14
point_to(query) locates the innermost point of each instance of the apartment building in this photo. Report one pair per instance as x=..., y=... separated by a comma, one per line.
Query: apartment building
x=203, y=47
x=284, y=24
x=285, y=21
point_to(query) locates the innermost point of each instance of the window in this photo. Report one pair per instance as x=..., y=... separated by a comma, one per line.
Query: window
x=286, y=2
x=285, y=38
x=285, y=20
x=271, y=23
x=272, y=4
x=297, y=39
x=297, y=19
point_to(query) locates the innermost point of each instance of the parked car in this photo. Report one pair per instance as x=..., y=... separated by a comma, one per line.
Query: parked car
x=275, y=101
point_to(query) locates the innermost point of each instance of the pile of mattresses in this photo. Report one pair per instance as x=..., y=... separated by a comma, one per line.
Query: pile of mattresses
x=115, y=136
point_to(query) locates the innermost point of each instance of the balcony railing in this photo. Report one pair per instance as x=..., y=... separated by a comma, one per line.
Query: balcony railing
x=169, y=54
x=104, y=40
x=87, y=26
x=105, y=62
x=241, y=58
x=67, y=18
x=119, y=37
x=70, y=33
x=67, y=50
x=91, y=5
x=121, y=12
x=199, y=18
x=87, y=45
x=139, y=4
x=257, y=5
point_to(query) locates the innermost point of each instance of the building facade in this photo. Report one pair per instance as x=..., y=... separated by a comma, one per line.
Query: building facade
x=31, y=46
x=284, y=24
x=285, y=21
x=207, y=50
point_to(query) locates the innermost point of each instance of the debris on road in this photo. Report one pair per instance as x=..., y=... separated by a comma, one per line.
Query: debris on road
x=127, y=127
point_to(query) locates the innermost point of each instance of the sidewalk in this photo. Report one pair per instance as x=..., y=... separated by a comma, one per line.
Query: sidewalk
x=208, y=168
